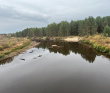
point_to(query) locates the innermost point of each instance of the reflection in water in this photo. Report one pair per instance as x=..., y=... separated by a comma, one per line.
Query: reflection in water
x=66, y=48
x=7, y=60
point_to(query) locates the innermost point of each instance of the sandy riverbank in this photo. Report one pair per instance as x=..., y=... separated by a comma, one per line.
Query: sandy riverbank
x=72, y=39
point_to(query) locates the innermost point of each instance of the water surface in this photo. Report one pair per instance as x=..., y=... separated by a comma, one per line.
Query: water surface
x=70, y=68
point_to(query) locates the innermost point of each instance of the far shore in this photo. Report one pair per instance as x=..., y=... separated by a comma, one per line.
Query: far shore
x=98, y=42
x=67, y=38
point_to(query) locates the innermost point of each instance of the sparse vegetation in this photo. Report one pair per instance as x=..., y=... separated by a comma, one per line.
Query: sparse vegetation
x=99, y=42
x=12, y=44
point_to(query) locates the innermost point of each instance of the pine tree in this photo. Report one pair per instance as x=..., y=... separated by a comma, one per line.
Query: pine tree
x=107, y=30
x=100, y=26
x=64, y=29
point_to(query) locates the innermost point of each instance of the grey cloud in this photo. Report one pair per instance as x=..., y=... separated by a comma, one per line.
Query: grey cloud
x=10, y=12
x=38, y=13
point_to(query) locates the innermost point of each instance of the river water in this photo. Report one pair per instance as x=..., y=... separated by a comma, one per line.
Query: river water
x=69, y=68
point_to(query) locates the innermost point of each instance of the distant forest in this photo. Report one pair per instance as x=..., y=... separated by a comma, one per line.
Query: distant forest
x=88, y=26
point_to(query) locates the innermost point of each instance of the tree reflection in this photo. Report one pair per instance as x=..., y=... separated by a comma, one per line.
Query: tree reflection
x=66, y=48
x=7, y=60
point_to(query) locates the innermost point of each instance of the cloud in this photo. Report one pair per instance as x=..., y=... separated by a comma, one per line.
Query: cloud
x=20, y=14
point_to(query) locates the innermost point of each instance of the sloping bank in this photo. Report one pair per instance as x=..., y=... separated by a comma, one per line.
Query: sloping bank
x=18, y=49
x=98, y=42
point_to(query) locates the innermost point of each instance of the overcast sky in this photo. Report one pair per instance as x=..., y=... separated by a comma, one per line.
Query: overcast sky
x=16, y=15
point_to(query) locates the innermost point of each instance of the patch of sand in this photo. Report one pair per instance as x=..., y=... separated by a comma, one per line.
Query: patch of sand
x=73, y=39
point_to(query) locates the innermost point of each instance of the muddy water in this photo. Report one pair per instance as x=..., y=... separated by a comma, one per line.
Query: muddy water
x=69, y=68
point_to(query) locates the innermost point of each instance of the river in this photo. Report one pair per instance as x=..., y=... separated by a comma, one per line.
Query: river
x=69, y=68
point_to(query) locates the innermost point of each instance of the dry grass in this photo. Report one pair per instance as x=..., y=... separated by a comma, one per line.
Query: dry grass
x=11, y=44
x=99, y=39
x=99, y=42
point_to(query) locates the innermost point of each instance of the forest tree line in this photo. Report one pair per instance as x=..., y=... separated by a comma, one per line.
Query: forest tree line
x=88, y=26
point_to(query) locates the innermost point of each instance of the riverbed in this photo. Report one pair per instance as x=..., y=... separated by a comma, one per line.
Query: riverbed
x=69, y=68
